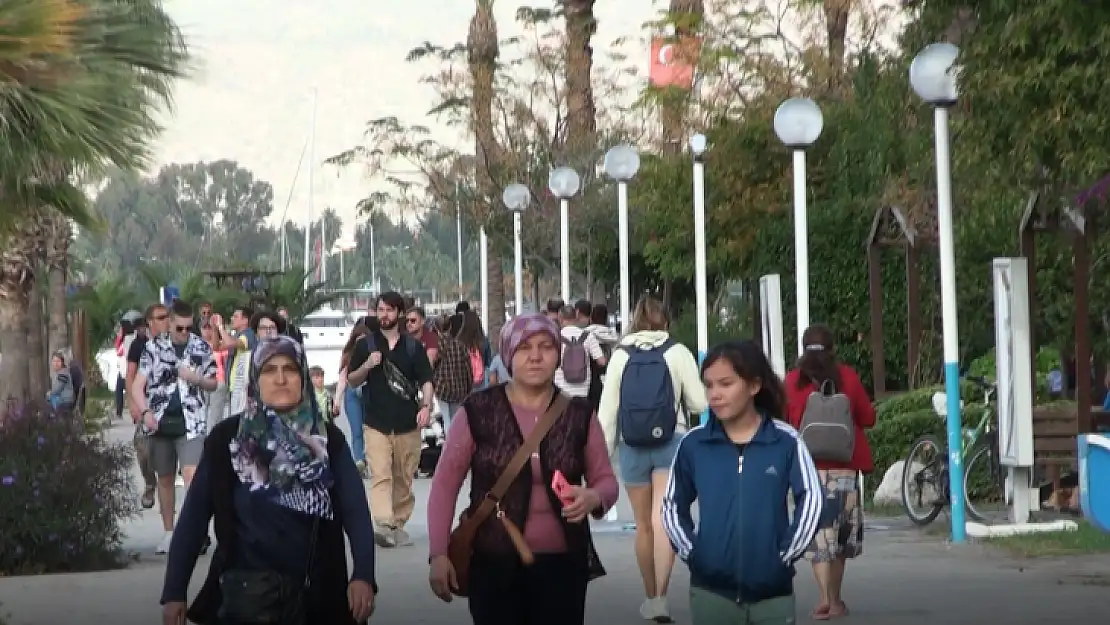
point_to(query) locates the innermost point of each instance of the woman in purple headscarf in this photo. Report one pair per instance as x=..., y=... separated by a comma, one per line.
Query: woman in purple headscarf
x=485, y=434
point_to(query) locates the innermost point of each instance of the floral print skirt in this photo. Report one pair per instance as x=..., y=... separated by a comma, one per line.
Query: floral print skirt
x=840, y=534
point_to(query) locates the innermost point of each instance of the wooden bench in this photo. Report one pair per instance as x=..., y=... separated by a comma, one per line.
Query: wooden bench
x=1054, y=432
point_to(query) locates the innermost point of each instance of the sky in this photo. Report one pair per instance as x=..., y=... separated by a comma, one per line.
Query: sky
x=260, y=60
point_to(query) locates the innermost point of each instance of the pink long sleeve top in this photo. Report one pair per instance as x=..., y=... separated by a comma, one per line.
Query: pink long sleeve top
x=543, y=532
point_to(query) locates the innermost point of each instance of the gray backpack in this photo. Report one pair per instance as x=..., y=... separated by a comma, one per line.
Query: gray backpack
x=827, y=426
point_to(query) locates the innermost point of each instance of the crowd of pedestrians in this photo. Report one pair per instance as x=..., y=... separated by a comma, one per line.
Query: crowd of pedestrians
x=537, y=418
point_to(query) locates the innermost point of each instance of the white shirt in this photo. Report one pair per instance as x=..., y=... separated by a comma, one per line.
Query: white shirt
x=593, y=350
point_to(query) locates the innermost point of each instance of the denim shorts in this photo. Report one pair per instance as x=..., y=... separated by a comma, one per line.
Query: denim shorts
x=637, y=464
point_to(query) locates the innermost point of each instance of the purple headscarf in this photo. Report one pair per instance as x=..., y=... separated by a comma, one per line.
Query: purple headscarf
x=519, y=330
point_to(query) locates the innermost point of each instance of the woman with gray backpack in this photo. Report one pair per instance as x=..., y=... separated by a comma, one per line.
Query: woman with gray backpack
x=828, y=405
x=652, y=386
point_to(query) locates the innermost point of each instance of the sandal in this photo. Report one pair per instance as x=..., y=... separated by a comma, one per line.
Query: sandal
x=820, y=613
x=838, y=611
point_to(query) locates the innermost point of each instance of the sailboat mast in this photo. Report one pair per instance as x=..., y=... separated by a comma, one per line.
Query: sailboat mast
x=311, y=191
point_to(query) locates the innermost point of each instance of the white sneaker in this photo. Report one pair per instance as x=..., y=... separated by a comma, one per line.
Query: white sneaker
x=655, y=609
x=164, y=546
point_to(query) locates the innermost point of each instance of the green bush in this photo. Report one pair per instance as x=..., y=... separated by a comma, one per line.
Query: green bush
x=63, y=496
x=1048, y=358
x=684, y=329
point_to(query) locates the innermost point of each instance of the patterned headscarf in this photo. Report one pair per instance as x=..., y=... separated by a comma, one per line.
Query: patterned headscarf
x=283, y=456
x=519, y=330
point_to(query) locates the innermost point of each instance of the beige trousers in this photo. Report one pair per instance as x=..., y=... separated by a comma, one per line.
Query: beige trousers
x=393, y=460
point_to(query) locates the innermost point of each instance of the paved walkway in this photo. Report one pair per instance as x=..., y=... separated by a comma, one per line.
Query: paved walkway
x=904, y=578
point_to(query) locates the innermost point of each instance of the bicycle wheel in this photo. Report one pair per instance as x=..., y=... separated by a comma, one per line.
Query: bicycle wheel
x=980, y=482
x=923, y=475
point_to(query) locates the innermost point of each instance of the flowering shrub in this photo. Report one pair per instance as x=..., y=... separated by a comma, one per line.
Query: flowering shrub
x=63, y=495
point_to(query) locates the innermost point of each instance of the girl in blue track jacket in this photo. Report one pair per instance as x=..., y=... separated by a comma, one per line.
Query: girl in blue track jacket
x=740, y=467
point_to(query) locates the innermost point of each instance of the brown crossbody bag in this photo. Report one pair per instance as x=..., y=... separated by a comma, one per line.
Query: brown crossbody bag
x=461, y=547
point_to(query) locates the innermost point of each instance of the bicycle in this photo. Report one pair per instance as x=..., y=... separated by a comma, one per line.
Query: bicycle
x=928, y=483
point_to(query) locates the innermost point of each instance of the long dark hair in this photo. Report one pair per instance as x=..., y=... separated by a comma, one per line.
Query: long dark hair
x=818, y=362
x=748, y=361
x=357, y=332
x=470, y=334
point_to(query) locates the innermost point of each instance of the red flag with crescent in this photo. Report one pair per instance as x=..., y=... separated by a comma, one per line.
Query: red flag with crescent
x=673, y=61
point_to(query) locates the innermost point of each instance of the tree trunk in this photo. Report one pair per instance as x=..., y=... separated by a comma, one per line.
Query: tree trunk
x=36, y=347
x=836, y=30
x=482, y=52
x=16, y=277
x=57, y=260
x=581, y=114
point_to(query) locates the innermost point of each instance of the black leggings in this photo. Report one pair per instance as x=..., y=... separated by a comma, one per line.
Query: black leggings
x=550, y=592
x=119, y=396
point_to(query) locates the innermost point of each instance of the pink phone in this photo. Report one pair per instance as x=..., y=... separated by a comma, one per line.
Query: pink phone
x=562, y=487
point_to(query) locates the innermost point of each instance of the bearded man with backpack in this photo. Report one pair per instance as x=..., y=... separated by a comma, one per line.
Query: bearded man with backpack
x=652, y=385
x=581, y=352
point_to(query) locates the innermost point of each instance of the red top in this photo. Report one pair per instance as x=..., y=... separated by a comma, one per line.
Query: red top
x=863, y=413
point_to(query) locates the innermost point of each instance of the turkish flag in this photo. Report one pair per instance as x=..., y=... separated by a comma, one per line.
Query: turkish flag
x=673, y=61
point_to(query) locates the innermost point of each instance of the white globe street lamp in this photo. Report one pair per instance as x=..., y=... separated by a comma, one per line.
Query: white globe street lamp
x=798, y=124
x=621, y=164
x=933, y=76
x=517, y=197
x=698, y=145
x=564, y=183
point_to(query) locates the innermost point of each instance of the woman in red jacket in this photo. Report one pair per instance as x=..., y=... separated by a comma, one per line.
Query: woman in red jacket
x=841, y=534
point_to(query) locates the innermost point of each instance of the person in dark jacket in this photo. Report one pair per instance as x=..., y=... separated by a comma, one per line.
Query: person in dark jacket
x=282, y=489
x=741, y=557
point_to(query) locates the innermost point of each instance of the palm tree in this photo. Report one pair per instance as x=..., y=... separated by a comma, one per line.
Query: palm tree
x=83, y=80
x=288, y=291
x=482, y=52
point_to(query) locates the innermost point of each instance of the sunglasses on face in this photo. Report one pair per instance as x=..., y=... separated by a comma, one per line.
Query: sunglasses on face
x=184, y=328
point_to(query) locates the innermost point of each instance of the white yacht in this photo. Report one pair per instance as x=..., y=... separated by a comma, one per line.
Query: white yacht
x=325, y=334
x=326, y=328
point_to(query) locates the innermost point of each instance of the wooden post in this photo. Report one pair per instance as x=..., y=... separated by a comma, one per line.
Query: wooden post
x=875, y=288
x=1082, y=330
x=913, y=315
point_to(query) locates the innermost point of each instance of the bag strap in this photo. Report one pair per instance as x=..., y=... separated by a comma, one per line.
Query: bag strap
x=531, y=444
x=828, y=388
x=311, y=552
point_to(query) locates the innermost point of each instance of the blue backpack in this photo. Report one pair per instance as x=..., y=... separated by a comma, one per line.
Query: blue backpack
x=646, y=415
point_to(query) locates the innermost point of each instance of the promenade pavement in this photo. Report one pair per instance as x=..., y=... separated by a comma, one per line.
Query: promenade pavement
x=905, y=577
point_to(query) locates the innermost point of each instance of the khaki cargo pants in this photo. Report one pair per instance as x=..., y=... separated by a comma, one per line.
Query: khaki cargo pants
x=710, y=608
x=393, y=460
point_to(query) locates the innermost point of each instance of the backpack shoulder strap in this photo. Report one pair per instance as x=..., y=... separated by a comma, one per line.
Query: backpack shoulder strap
x=828, y=387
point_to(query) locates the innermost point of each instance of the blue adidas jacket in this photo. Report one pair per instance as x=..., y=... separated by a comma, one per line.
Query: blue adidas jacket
x=745, y=543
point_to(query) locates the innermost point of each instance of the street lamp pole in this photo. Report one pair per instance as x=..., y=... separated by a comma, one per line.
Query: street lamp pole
x=564, y=183
x=798, y=124
x=483, y=271
x=458, y=238
x=621, y=164
x=698, y=145
x=516, y=198
x=933, y=75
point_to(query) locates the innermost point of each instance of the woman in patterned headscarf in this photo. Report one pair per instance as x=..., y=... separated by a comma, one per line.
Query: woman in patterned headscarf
x=532, y=562
x=282, y=489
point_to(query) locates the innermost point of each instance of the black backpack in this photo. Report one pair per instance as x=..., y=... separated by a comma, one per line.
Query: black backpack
x=647, y=416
